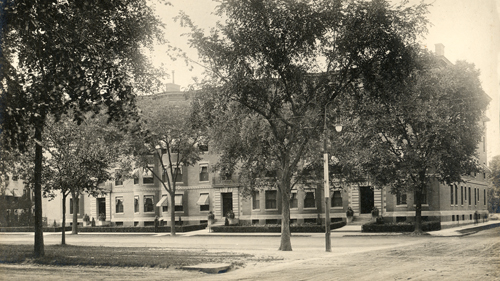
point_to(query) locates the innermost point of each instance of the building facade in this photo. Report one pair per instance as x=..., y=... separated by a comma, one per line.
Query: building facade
x=200, y=191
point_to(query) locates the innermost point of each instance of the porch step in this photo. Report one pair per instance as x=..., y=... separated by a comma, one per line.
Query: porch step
x=361, y=219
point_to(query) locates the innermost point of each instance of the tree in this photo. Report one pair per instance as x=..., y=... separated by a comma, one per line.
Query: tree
x=275, y=69
x=494, y=190
x=169, y=139
x=61, y=55
x=16, y=170
x=80, y=158
x=420, y=130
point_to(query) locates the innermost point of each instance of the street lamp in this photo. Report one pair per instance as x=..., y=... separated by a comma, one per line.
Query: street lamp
x=326, y=180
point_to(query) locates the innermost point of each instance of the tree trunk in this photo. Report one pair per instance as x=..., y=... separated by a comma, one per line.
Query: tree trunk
x=172, y=213
x=63, y=231
x=39, y=247
x=285, y=244
x=74, y=228
x=418, y=210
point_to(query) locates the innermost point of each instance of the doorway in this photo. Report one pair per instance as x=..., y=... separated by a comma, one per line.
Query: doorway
x=227, y=202
x=367, y=199
x=101, y=206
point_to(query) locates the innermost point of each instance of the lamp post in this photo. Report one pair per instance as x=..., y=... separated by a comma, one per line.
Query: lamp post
x=326, y=184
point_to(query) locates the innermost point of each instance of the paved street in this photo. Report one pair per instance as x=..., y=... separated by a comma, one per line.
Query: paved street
x=444, y=255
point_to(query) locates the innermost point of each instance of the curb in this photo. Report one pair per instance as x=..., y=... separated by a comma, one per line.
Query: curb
x=213, y=268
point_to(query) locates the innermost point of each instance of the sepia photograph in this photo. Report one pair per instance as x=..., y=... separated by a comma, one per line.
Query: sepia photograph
x=250, y=140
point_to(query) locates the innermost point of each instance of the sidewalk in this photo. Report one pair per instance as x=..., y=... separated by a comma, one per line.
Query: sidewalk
x=465, y=229
x=346, y=231
x=355, y=230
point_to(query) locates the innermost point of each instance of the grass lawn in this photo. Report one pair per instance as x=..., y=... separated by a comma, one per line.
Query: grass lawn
x=69, y=255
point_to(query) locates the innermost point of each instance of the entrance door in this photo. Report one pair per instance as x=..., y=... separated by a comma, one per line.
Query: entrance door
x=366, y=198
x=227, y=202
x=101, y=206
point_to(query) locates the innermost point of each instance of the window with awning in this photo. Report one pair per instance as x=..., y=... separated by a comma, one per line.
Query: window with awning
x=178, y=203
x=204, y=202
x=163, y=201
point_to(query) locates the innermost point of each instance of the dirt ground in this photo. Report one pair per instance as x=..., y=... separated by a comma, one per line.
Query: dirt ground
x=471, y=257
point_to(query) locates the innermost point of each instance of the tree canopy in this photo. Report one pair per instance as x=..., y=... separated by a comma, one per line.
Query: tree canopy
x=424, y=128
x=80, y=159
x=166, y=140
x=61, y=55
x=277, y=67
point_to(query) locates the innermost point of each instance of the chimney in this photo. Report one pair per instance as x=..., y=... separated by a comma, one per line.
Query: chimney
x=439, y=49
x=173, y=76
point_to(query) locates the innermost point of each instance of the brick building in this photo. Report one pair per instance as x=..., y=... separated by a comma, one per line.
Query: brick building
x=136, y=202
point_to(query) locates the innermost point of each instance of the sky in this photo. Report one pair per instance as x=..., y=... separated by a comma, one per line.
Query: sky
x=469, y=30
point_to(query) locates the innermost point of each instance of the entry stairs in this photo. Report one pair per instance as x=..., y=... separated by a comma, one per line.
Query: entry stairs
x=361, y=219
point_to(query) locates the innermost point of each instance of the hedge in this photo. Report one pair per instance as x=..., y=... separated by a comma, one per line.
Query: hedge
x=183, y=228
x=399, y=227
x=178, y=228
x=32, y=229
x=274, y=228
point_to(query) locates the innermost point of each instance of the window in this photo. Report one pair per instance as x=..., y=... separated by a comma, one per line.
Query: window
x=135, y=175
x=475, y=196
x=226, y=175
x=456, y=195
x=203, y=172
x=178, y=203
x=484, y=197
x=451, y=194
x=177, y=176
x=294, y=203
x=119, y=204
x=163, y=203
x=401, y=198
x=136, y=204
x=336, y=199
x=148, y=203
x=309, y=201
x=470, y=197
x=256, y=200
x=147, y=175
x=204, y=202
x=118, y=177
x=461, y=195
x=271, y=199
x=203, y=147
